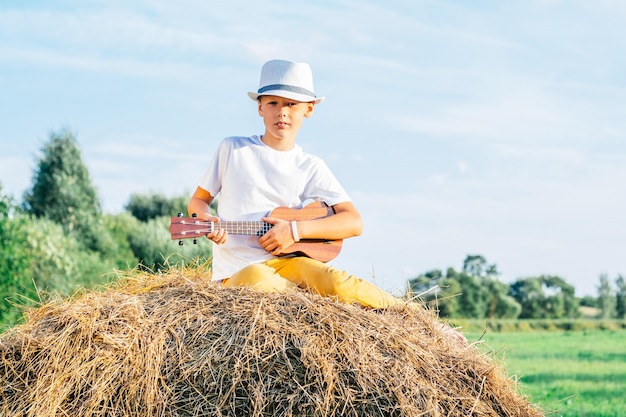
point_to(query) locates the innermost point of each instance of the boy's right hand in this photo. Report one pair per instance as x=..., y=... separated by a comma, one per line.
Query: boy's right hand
x=218, y=235
x=200, y=204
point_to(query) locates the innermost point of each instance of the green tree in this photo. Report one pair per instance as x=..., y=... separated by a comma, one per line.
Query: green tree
x=606, y=297
x=499, y=303
x=13, y=257
x=62, y=192
x=472, y=300
x=150, y=206
x=425, y=283
x=474, y=292
x=529, y=294
x=438, y=291
x=449, y=299
x=588, y=301
x=544, y=297
x=482, y=293
x=476, y=265
x=620, y=297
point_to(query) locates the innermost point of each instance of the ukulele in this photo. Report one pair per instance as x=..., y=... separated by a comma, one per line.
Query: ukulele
x=321, y=249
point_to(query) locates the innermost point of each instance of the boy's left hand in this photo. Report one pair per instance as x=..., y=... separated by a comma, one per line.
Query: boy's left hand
x=278, y=238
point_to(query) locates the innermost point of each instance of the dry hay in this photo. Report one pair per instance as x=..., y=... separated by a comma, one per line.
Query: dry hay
x=176, y=344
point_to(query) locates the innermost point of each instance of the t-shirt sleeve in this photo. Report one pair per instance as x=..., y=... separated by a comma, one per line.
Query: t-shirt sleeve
x=325, y=186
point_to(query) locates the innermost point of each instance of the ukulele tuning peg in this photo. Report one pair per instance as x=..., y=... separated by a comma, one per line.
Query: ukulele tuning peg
x=180, y=243
x=180, y=214
x=194, y=215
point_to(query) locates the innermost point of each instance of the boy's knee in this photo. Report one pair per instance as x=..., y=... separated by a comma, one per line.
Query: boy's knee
x=249, y=275
x=326, y=279
x=259, y=276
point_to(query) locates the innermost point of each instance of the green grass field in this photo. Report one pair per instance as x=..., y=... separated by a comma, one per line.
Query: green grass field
x=567, y=373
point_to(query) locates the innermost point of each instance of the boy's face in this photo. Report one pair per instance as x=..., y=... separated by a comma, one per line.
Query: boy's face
x=282, y=116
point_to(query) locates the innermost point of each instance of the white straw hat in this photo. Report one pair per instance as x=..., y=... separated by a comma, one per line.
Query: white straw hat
x=287, y=79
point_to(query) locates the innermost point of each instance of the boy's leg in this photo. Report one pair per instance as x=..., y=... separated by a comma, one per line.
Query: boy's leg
x=329, y=281
x=259, y=276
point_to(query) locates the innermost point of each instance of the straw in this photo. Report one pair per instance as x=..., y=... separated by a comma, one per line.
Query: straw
x=177, y=344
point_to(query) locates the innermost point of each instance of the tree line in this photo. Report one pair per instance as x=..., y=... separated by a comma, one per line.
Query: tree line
x=57, y=240
x=476, y=292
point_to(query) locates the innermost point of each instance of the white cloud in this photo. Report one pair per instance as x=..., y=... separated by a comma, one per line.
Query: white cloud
x=131, y=67
x=463, y=167
x=532, y=155
x=528, y=116
x=104, y=29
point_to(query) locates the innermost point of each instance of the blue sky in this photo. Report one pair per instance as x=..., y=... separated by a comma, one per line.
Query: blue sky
x=491, y=127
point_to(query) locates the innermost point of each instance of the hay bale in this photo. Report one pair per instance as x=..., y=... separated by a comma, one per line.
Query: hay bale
x=178, y=345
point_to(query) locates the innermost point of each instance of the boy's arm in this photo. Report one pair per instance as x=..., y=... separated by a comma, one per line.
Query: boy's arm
x=346, y=222
x=200, y=204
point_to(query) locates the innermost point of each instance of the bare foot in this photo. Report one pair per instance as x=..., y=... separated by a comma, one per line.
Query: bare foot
x=453, y=333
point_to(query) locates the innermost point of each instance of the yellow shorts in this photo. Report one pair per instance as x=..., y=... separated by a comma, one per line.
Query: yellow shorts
x=281, y=273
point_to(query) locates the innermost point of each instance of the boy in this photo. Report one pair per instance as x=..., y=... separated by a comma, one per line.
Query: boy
x=256, y=174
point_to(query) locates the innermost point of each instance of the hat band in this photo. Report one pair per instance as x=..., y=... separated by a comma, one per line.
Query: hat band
x=286, y=87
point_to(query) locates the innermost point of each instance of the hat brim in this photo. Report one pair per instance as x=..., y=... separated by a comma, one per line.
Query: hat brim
x=287, y=94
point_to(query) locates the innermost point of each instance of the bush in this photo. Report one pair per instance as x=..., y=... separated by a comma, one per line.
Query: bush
x=42, y=262
x=14, y=259
x=120, y=228
x=151, y=206
x=524, y=325
x=152, y=245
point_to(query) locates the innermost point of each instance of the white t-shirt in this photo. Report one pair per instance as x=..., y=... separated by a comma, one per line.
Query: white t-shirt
x=252, y=179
